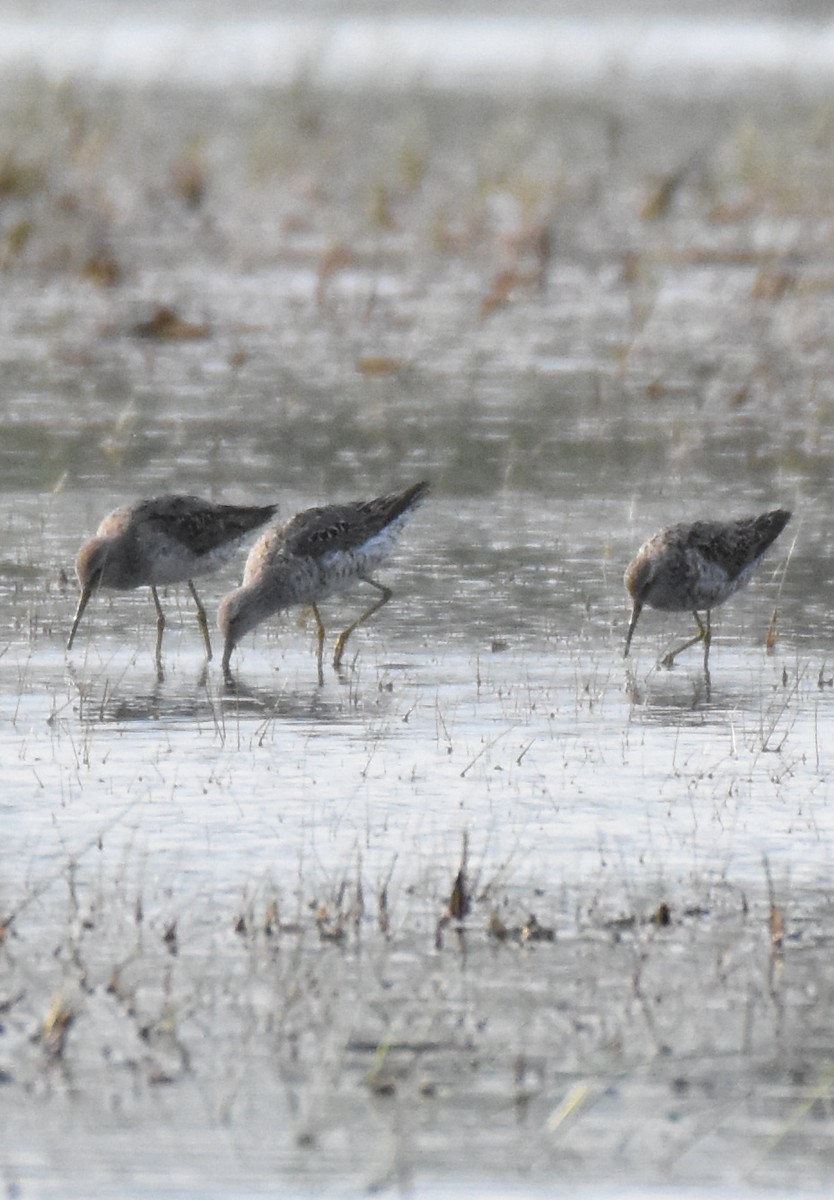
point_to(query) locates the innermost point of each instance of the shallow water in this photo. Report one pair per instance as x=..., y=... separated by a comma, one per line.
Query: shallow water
x=236, y=892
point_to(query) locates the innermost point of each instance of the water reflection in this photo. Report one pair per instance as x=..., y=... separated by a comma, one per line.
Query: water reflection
x=207, y=700
x=706, y=696
x=687, y=699
x=308, y=704
x=104, y=700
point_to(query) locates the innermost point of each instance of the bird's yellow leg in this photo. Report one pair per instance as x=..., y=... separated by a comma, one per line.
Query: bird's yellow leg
x=201, y=619
x=160, y=629
x=703, y=635
x=345, y=634
x=320, y=632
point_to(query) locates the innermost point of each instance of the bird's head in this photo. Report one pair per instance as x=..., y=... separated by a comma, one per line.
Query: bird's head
x=235, y=617
x=91, y=564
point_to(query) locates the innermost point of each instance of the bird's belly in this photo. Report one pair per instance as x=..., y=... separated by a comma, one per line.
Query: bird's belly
x=171, y=562
x=705, y=585
x=309, y=580
x=340, y=569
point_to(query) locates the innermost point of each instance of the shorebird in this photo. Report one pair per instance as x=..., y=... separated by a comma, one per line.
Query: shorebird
x=697, y=567
x=168, y=539
x=318, y=553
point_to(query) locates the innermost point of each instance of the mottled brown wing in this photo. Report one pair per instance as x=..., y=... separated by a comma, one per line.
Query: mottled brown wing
x=344, y=527
x=734, y=547
x=201, y=525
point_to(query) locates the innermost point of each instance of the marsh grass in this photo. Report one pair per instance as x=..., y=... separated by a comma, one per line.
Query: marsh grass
x=531, y=1032
x=491, y=905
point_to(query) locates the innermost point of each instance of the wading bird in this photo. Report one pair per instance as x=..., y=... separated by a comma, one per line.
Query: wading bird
x=320, y=552
x=697, y=567
x=164, y=540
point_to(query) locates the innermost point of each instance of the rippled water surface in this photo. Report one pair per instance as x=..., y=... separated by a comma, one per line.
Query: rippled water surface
x=229, y=967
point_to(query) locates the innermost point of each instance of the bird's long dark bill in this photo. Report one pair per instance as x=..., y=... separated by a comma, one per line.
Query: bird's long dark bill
x=638, y=608
x=82, y=604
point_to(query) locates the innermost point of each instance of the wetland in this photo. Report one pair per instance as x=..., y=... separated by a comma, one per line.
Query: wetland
x=493, y=911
